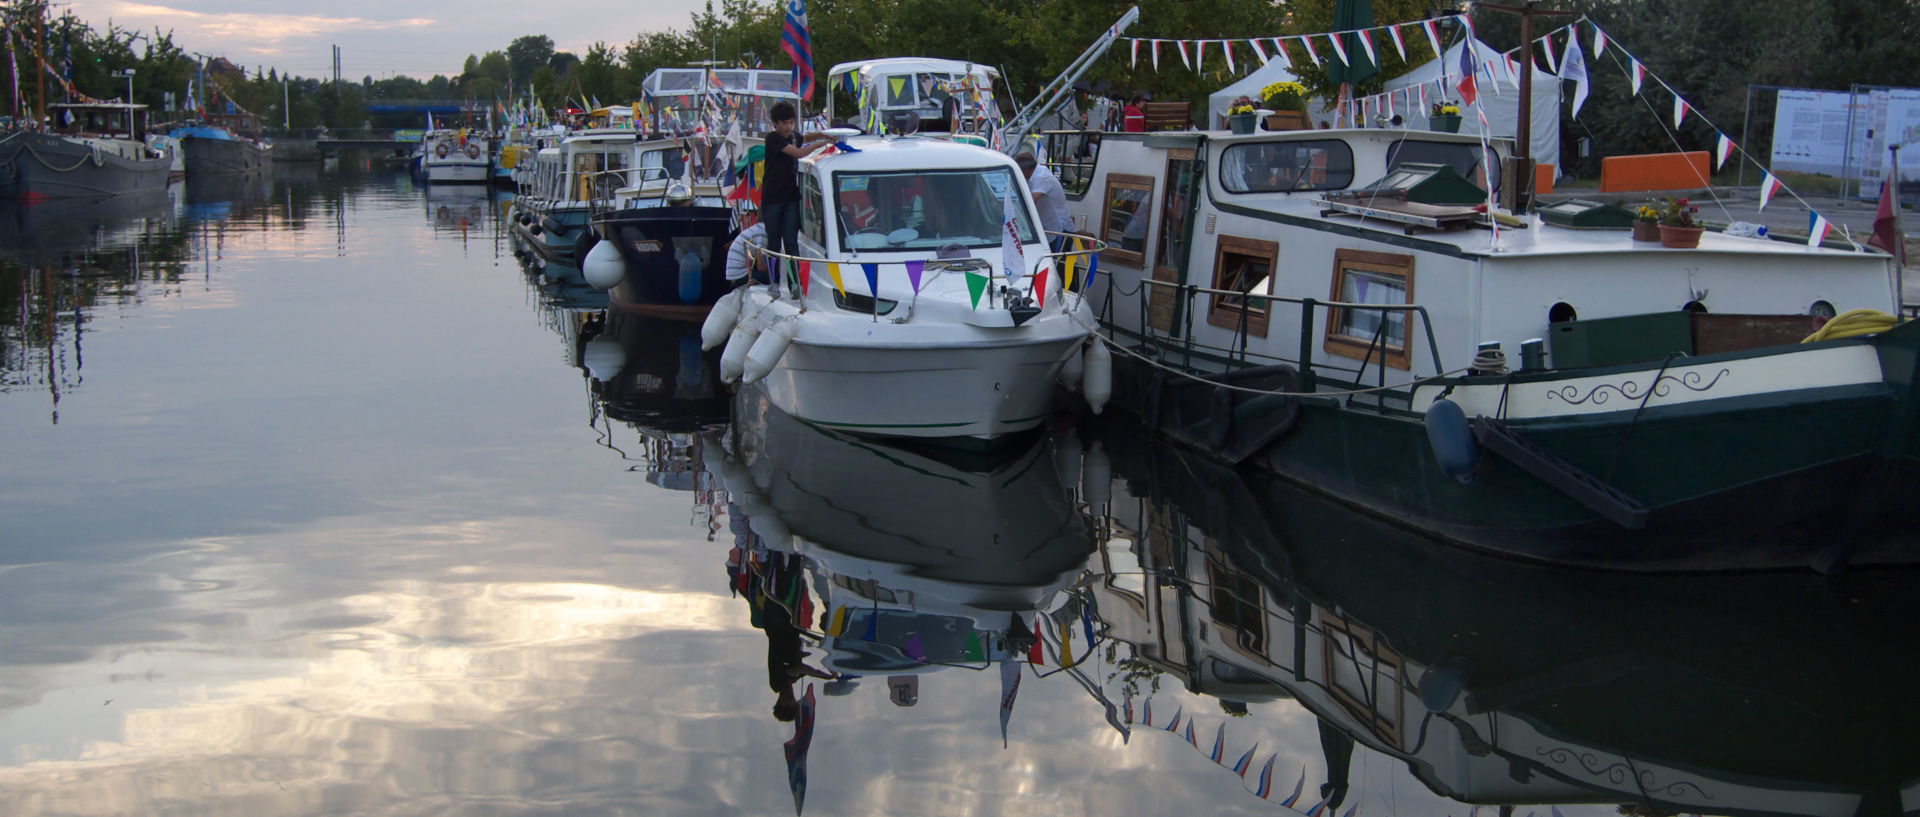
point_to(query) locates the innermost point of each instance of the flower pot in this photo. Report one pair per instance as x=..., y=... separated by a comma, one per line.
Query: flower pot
x=1289, y=120
x=1648, y=231
x=1241, y=122
x=1680, y=237
x=1445, y=122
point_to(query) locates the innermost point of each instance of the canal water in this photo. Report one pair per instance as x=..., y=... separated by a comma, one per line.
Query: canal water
x=317, y=499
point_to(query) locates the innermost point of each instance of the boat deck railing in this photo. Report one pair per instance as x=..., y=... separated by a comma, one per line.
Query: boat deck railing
x=1178, y=346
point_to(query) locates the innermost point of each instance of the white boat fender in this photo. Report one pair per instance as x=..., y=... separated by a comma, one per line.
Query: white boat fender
x=1073, y=370
x=720, y=320
x=603, y=358
x=1454, y=449
x=733, y=361
x=1096, y=477
x=767, y=350
x=1097, y=382
x=603, y=268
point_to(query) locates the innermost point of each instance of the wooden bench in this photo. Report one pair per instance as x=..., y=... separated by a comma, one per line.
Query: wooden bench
x=1169, y=115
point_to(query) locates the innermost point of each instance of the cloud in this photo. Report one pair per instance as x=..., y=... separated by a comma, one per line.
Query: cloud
x=257, y=29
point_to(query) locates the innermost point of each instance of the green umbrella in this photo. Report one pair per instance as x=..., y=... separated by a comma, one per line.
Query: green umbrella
x=1352, y=15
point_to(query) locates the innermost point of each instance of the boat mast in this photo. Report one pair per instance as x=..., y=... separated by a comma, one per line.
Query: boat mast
x=1523, y=130
x=40, y=16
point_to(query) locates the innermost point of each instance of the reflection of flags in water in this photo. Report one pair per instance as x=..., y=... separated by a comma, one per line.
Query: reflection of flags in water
x=1219, y=752
x=1009, y=687
x=797, y=41
x=1245, y=762
x=797, y=751
x=1298, y=786
x=1265, y=785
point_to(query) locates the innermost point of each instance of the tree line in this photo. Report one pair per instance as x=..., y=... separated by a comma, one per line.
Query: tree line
x=1709, y=49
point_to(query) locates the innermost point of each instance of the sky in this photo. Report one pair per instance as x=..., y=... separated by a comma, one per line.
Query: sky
x=419, y=38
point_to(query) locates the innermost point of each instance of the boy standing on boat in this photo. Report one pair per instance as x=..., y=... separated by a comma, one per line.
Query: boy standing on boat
x=780, y=197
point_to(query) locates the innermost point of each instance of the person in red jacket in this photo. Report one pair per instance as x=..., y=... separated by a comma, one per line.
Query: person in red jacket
x=1134, y=118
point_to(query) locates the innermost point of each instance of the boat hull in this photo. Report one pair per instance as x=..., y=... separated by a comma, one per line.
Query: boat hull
x=674, y=258
x=448, y=171
x=1776, y=480
x=35, y=166
x=550, y=233
x=980, y=391
x=206, y=157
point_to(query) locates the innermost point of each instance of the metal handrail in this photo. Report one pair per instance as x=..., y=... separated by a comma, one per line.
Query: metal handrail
x=1308, y=307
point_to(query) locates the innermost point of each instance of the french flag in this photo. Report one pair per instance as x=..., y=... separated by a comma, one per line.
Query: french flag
x=1469, y=92
x=797, y=40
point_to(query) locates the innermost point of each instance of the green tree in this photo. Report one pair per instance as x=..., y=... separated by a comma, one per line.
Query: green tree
x=526, y=55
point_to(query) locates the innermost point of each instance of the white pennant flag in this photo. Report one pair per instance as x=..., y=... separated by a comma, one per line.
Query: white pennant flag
x=1599, y=42
x=1311, y=54
x=1227, y=46
x=1679, y=111
x=1638, y=73
x=1280, y=47
x=1338, y=49
x=1546, y=47
x=1156, y=56
x=1182, y=45
x=1433, y=39
x=1135, y=45
x=1366, y=42
x=1259, y=51
x=1574, y=67
x=1720, y=150
x=1013, y=257
x=1398, y=45
x=1817, y=228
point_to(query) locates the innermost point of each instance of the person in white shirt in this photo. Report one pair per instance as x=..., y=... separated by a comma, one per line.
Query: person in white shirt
x=1048, y=195
x=740, y=253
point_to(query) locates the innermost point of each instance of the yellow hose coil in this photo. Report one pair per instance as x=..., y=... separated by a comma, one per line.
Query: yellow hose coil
x=1854, y=323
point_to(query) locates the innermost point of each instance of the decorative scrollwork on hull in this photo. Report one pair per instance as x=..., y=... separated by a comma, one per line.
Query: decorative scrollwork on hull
x=1630, y=390
x=1619, y=772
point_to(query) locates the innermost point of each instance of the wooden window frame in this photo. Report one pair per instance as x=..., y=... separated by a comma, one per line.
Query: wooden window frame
x=1126, y=181
x=1350, y=346
x=1386, y=718
x=1227, y=316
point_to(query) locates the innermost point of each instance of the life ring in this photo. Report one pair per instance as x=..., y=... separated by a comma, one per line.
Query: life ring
x=440, y=150
x=473, y=151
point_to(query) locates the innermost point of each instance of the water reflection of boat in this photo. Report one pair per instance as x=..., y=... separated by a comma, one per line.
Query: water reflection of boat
x=926, y=562
x=651, y=373
x=221, y=196
x=44, y=232
x=1504, y=683
x=456, y=208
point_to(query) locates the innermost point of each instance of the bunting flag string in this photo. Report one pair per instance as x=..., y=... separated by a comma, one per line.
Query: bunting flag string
x=1399, y=45
x=1433, y=39
x=1366, y=43
x=1769, y=185
x=1259, y=51
x=1199, y=56
x=1182, y=45
x=1679, y=111
x=1817, y=227
x=1311, y=54
x=1721, y=148
x=1339, y=51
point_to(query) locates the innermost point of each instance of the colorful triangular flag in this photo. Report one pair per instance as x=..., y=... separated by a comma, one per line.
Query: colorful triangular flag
x=1817, y=228
x=1723, y=147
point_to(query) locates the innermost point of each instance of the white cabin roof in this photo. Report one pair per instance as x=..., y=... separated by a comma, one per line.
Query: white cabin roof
x=914, y=65
x=909, y=153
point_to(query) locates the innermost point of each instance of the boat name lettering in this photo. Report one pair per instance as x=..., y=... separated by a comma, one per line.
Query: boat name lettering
x=1691, y=381
x=646, y=245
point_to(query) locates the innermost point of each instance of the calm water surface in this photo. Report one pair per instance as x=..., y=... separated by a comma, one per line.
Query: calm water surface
x=316, y=500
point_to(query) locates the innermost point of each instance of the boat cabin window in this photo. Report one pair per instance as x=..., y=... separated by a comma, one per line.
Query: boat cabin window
x=810, y=210
x=1242, y=265
x=1126, y=213
x=1365, y=277
x=1171, y=251
x=1071, y=156
x=1463, y=158
x=1285, y=167
x=927, y=209
x=671, y=163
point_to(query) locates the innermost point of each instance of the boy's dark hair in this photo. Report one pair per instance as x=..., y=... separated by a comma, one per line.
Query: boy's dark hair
x=783, y=111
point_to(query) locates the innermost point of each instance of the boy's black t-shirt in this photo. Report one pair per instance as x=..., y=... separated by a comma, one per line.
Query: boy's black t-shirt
x=783, y=171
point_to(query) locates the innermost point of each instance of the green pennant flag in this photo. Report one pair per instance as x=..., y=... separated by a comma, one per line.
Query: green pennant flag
x=899, y=85
x=976, y=284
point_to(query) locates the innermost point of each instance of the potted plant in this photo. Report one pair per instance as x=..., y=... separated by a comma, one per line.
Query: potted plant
x=1445, y=117
x=1288, y=101
x=1240, y=116
x=1678, y=229
x=1646, y=223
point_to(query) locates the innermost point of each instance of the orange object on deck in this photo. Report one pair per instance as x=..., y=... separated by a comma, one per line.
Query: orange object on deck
x=1654, y=171
x=1542, y=179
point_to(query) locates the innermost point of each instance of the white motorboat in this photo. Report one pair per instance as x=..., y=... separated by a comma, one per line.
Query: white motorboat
x=905, y=313
x=454, y=157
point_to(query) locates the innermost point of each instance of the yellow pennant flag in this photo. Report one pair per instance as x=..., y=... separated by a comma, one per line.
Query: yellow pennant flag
x=833, y=271
x=1069, y=261
x=899, y=85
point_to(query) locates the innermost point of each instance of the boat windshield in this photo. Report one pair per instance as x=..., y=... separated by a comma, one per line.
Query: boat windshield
x=928, y=209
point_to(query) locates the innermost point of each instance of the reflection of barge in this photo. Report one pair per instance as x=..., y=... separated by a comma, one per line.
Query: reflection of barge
x=1505, y=683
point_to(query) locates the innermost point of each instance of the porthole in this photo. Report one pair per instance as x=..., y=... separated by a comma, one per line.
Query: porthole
x=1822, y=309
x=1562, y=312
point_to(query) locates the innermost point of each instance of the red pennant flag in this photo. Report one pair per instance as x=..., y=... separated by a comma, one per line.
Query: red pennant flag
x=806, y=277
x=1886, y=236
x=1040, y=286
x=1036, y=655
